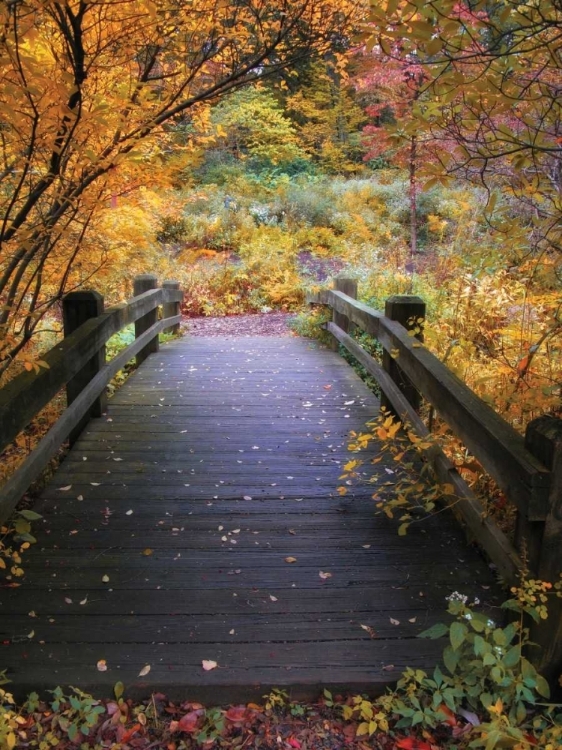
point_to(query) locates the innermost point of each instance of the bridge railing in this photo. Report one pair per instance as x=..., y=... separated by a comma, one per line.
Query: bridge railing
x=528, y=469
x=79, y=363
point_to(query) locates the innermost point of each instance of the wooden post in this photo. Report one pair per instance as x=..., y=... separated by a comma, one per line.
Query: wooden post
x=170, y=309
x=405, y=309
x=543, y=438
x=144, y=283
x=349, y=287
x=77, y=308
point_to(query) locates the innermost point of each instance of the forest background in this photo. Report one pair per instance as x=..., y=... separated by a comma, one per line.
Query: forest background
x=255, y=150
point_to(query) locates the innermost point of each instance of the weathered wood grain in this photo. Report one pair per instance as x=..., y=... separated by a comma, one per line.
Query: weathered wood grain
x=48, y=446
x=162, y=534
x=499, y=448
x=24, y=396
x=469, y=510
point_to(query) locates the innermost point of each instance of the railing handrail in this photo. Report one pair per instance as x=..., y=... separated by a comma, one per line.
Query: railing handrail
x=25, y=395
x=67, y=358
x=529, y=469
x=495, y=443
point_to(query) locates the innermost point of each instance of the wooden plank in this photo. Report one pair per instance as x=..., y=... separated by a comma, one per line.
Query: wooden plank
x=244, y=673
x=496, y=444
x=390, y=597
x=95, y=593
x=232, y=628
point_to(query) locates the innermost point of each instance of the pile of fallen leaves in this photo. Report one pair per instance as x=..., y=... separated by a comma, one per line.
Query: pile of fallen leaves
x=79, y=721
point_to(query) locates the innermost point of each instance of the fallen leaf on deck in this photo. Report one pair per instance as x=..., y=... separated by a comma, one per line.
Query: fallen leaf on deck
x=129, y=513
x=146, y=552
x=323, y=575
x=105, y=578
x=208, y=664
x=290, y=559
x=102, y=665
x=65, y=489
x=369, y=630
x=68, y=600
x=394, y=622
x=247, y=497
x=273, y=598
x=144, y=671
x=84, y=600
x=412, y=619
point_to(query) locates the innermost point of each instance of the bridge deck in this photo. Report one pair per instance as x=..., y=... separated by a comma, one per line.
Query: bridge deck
x=167, y=531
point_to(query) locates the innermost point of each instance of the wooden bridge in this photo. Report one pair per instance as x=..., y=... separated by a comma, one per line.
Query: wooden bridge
x=196, y=520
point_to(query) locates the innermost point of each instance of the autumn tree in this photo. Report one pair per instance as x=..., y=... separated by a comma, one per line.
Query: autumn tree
x=87, y=90
x=391, y=86
x=327, y=118
x=493, y=96
x=251, y=124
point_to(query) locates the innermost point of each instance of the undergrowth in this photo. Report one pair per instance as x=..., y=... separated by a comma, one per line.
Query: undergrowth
x=484, y=694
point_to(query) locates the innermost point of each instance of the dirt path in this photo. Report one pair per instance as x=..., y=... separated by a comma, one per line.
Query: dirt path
x=267, y=324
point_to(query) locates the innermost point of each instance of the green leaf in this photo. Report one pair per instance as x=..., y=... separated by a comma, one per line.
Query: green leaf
x=542, y=687
x=457, y=634
x=435, y=631
x=451, y=659
x=118, y=689
x=438, y=676
x=22, y=526
x=25, y=537
x=31, y=515
x=499, y=637
x=512, y=657
x=480, y=646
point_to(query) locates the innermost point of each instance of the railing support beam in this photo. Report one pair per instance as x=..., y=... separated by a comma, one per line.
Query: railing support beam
x=77, y=308
x=543, y=438
x=409, y=311
x=170, y=309
x=144, y=283
x=349, y=287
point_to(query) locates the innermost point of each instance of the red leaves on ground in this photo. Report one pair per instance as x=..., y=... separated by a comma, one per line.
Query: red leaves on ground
x=130, y=733
x=238, y=714
x=413, y=743
x=189, y=722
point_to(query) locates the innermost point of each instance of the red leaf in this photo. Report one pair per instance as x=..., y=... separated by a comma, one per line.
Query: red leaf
x=412, y=743
x=451, y=719
x=127, y=736
x=236, y=714
x=188, y=722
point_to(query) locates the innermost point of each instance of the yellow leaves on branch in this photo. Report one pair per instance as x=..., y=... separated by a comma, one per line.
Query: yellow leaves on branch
x=86, y=91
